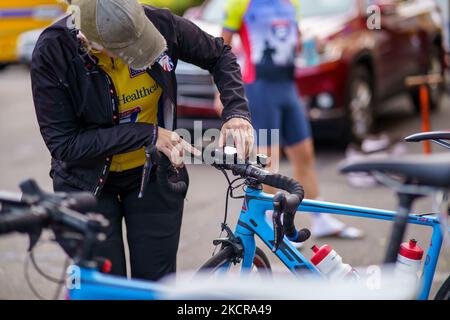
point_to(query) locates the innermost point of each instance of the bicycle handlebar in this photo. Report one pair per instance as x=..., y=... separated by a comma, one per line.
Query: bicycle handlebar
x=81, y=201
x=244, y=170
x=287, y=205
x=47, y=210
x=20, y=222
x=283, y=203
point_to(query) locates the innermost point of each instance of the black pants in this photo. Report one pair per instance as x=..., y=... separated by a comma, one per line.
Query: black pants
x=153, y=224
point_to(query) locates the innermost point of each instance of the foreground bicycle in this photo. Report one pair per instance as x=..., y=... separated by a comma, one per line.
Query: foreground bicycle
x=78, y=233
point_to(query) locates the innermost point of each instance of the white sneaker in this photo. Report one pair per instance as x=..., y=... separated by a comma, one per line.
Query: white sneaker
x=325, y=225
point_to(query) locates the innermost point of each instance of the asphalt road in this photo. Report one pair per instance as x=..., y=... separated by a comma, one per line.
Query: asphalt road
x=23, y=155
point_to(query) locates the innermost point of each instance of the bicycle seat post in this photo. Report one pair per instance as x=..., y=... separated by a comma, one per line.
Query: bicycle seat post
x=400, y=223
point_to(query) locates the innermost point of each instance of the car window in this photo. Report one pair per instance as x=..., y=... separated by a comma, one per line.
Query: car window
x=312, y=8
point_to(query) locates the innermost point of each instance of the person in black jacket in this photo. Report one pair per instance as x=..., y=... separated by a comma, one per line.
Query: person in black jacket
x=104, y=88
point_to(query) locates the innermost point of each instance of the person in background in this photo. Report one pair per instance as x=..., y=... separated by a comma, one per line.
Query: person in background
x=271, y=39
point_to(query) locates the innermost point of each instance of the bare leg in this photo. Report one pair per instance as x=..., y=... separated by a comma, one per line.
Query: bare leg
x=302, y=159
x=301, y=156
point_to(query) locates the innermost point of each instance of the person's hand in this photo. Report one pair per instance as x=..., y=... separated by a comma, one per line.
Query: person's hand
x=174, y=147
x=242, y=132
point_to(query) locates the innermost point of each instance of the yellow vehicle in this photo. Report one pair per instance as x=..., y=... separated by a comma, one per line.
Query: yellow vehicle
x=18, y=16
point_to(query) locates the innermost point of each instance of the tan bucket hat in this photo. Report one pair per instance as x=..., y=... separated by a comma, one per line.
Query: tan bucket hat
x=122, y=27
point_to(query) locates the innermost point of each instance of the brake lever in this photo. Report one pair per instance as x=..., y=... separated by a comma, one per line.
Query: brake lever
x=276, y=219
x=31, y=193
x=34, y=236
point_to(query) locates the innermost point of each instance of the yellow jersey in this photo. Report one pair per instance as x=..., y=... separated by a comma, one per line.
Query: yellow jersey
x=138, y=96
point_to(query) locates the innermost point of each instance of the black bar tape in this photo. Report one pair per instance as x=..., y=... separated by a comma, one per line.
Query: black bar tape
x=19, y=222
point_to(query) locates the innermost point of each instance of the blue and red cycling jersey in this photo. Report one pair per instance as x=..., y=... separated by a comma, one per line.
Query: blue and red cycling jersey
x=270, y=34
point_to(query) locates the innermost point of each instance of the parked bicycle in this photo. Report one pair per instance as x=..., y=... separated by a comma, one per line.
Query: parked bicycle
x=421, y=176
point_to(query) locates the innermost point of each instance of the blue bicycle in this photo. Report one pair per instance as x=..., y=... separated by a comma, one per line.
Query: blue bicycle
x=78, y=233
x=422, y=176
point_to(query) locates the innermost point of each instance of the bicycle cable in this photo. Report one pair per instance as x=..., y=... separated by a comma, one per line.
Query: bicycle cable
x=229, y=194
x=28, y=280
x=60, y=282
x=60, y=285
x=41, y=272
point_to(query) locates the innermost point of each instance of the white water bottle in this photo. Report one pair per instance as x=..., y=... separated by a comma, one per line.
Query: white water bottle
x=409, y=258
x=329, y=263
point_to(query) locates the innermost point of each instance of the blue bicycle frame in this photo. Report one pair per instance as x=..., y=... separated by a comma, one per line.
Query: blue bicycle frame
x=94, y=285
x=252, y=221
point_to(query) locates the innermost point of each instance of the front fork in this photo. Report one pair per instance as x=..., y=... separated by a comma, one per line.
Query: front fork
x=247, y=238
x=242, y=239
x=233, y=241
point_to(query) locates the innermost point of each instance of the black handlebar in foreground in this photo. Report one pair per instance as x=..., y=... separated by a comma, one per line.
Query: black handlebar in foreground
x=21, y=221
x=60, y=211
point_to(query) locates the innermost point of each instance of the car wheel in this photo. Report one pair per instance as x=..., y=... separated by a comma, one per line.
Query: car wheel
x=3, y=66
x=360, y=100
x=435, y=91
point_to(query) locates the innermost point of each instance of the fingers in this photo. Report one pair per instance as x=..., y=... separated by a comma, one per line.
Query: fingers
x=177, y=158
x=249, y=142
x=186, y=146
x=223, y=138
x=175, y=154
x=167, y=151
x=239, y=143
x=242, y=132
x=190, y=148
x=174, y=147
x=243, y=140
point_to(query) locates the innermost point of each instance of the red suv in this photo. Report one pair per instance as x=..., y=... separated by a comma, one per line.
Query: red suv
x=355, y=54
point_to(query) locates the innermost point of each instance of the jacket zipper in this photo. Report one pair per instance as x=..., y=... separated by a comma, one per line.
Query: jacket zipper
x=114, y=116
